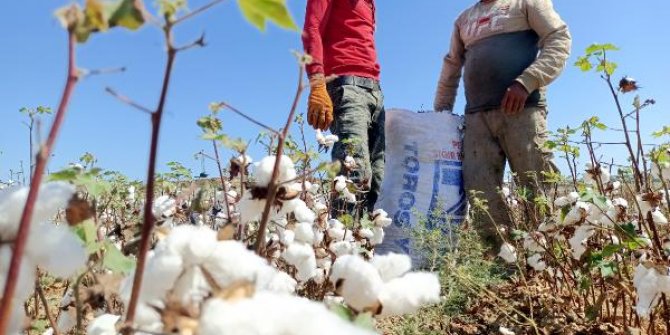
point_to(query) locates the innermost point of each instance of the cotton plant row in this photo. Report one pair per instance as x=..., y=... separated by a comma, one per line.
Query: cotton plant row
x=53, y=248
x=211, y=286
x=628, y=235
x=207, y=274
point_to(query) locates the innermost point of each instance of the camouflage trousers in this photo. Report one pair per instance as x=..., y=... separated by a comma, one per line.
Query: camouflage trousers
x=359, y=123
x=493, y=139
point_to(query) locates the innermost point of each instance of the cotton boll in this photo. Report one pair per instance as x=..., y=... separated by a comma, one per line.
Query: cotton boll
x=250, y=209
x=405, y=295
x=314, y=188
x=103, y=325
x=357, y=281
x=340, y=183
x=595, y=213
x=201, y=246
x=348, y=196
x=578, y=241
x=318, y=237
x=645, y=282
x=287, y=237
x=52, y=197
x=192, y=287
x=658, y=217
x=162, y=270
x=164, y=207
x=279, y=314
x=378, y=236
x=320, y=208
x=392, y=265
x=56, y=249
x=562, y=202
x=331, y=139
x=508, y=253
x=319, y=276
x=577, y=214
x=616, y=185
x=504, y=331
x=264, y=168
x=336, y=234
x=366, y=233
x=232, y=262
x=534, y=242
x=304, y=232
x=573, y=196
x=275, y=281
x=147, y=318
x=645, y=206
x=341, y=248
x=335, y=223
x=324, y=263
x=302, y=257
x=536, y=262
x=304, y=214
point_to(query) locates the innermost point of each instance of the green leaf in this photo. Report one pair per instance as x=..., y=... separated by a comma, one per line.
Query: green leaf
x=86, y=231
x=259, y=11
x=365, y=321
x=116, y=261
x=611, y=249
x=256, y=19
x=342, y=311
x=607, y=269
x=64, y=175
x=129, y=14
x=347, y=220
x=584, y=64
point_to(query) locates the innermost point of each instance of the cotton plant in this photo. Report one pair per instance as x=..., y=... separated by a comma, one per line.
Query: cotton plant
x=62, y=254
x=189, y=265
x=326, y=141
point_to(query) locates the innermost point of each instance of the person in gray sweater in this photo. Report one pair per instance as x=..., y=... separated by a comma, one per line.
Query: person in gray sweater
x=507, y=52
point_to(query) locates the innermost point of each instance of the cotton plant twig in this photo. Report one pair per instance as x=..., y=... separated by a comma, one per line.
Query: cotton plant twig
x=45, y=303
x=248, y=118
x=156, y=117
x=273, y=186
x=36, y=180
x=127, y=100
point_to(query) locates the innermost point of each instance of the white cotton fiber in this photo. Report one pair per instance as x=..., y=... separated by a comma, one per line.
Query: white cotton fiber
x=304, y=232
x=103, y=325
x=232, y=262
x=263, y=170
x=301, y=256
x=508, y=253
x=280, y=314
x=56, y=249
x=405, y=295
x=378, y=236
x=392, y=265
x=357, y=281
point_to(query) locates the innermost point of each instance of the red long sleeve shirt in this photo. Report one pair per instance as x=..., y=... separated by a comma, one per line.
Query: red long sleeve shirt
x=339, y=35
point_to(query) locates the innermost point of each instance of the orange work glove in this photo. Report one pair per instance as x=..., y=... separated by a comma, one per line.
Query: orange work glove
x=319, y=105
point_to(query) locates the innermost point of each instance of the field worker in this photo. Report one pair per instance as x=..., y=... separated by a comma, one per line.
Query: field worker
x=508, y=51
x=339, y=35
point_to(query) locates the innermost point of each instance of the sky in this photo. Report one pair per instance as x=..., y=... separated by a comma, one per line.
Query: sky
x=256, y=72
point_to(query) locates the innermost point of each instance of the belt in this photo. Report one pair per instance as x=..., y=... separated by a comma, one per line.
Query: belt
x=369, y=83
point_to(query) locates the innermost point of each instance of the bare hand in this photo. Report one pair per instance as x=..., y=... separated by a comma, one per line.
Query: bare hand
x=515, y=99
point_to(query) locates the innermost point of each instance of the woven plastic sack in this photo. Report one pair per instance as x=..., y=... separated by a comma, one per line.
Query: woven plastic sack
x=423, y=176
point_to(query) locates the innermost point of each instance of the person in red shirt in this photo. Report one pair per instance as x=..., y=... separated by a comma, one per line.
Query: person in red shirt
x=339, y=35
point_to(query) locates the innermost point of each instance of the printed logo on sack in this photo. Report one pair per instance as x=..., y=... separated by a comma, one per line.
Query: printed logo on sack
x=447, y=179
